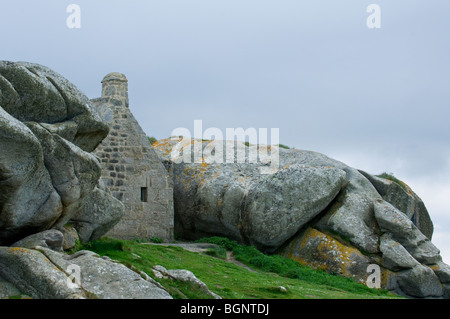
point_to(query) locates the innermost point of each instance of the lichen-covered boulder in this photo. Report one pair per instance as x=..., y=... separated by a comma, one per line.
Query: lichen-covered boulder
x=47, y=130
x=34, y=93
x=310, y=208
x=316, y=249
x=45, y=274
x=99, y=214
x=402, y=197
x=28, y=201
x=236, y=200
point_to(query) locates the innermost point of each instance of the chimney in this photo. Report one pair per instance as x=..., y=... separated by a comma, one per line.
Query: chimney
x=115, y=86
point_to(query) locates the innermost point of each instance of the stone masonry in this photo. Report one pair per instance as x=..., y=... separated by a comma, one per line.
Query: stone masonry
x=132, y=171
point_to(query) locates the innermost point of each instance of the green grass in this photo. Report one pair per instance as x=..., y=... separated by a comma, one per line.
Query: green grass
x=229, y=280
x=391, y=177
x=279, y=145
x=152, y=140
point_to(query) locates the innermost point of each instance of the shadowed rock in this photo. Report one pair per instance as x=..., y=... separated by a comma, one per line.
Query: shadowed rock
x=47, y=130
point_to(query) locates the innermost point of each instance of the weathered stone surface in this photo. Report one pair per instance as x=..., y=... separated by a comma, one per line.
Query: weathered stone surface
x=420, y=281
x=318, y=250
x=33, y=274
x=47, y=129
x=280, y=204
x=395, y=256
x=442, y=270
x=185, y=276
x=51, y=238
x=237, y=201
x=46, y=274
x=70, y=235
x=28, y=201
x=32, y=92
x=106, y=279
x=357, y=227
x=403, y=230
x=92, y=221
x=74, y=172
x=8, y=290
x=351, y=214
x=405, y=200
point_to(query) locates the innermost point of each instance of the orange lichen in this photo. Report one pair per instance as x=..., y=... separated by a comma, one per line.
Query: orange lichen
x=322, y=251
x=17, y=250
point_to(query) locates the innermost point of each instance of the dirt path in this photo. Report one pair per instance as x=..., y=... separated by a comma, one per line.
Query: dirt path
x=231, y=258
x=201, y=248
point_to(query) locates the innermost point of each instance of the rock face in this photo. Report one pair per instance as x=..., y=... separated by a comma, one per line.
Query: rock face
x=45, y=274
x=312, y=208
x=236, y=201
x=184, y=276
x=48, y=129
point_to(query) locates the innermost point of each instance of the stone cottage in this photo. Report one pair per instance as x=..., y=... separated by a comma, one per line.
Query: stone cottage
x=132, y=171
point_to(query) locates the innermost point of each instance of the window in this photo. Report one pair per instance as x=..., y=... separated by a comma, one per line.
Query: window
x=144, y=194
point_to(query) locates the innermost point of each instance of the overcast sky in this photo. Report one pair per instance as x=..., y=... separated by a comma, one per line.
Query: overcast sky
x=376, y=99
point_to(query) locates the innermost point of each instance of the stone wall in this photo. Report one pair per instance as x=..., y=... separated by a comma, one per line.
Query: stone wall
x=132, y=171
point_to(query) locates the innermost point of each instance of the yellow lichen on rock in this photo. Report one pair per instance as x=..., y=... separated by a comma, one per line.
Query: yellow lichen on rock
x=321, y=251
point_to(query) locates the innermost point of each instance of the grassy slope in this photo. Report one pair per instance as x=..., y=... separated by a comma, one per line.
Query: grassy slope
x=231, y=281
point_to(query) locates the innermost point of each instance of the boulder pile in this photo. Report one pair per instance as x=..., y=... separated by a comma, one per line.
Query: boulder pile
x=50, y=193
x=312, y=208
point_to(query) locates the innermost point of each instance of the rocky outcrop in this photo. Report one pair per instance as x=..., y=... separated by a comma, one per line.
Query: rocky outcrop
x=403, y=198
x=48, y=176
x=312, y=208
x=42, y=273
x=184, y=276
x=237, y=201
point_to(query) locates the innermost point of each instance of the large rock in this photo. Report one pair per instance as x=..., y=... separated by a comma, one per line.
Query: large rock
x=402, y=229
x=319, y=250
x=237, y=201
x=47, y=130
x=28, y=201
x=34, y=93
x=421, y=282
x=183, y=275
x=106, y=279
x=7, y=290
x=33, y=274
x=46, y=274
x=74, y=172
x=351, y=213
x=51, y=238
x=99, y=214
x=402, y=197
x=395, y=256
x=315, y=209
x=280, y=204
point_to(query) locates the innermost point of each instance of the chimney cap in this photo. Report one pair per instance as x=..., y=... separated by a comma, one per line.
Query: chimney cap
x=115, y=77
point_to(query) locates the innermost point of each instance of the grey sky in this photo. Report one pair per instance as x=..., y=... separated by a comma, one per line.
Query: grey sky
x=377, y=99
